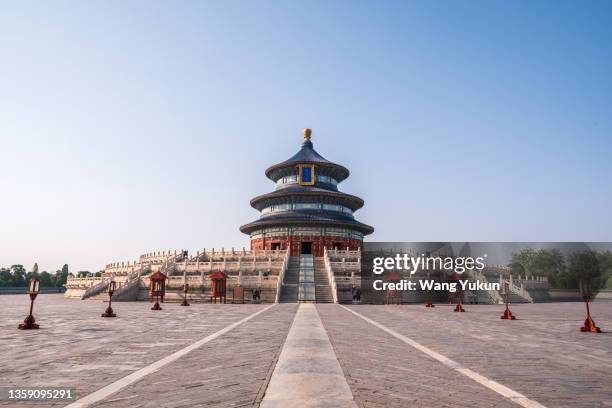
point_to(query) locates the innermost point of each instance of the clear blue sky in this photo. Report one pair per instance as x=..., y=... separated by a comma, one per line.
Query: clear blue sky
x=128, y=127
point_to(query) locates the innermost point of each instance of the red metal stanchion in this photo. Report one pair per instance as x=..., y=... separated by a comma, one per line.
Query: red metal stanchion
x=29, y=322
x=506, y=295
x=459, y=307
x=109, y=310
x=586, y=293
x=429, y=303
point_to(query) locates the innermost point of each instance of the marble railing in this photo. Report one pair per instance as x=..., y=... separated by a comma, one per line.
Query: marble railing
x=281, y=276
x=330, y=276
x=208, y=254
x=72, y=282
x=345, y=266
x=258, y=281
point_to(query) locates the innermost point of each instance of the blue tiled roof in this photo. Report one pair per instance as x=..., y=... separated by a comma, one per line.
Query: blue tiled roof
x=307, y=154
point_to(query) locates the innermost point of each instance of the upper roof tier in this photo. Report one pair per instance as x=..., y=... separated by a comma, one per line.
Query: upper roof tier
x=306, y=155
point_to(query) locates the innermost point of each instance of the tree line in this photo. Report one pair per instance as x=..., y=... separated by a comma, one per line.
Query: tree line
x=564, y=272
x=17, y=276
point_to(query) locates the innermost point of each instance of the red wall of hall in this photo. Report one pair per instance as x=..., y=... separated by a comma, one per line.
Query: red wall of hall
x=318, y=243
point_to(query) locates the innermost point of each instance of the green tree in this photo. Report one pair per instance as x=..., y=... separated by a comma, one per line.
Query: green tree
x=605, y=264
x=6, y=277
x=19, y=277
x=45, y=279
x=583, y=265
x=65, y=269
x=544, y=262
x=60, y=278
x=35, y=268
x=522, y=260
x=18, y=273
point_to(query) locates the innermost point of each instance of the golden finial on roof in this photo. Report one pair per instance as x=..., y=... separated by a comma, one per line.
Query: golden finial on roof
x=307, y=133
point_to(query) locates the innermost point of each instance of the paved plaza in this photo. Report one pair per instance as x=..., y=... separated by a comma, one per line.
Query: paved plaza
x=307, y=355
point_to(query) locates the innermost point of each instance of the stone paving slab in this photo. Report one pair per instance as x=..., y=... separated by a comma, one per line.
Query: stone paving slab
x=542, y=355
x=307, y=372
x=230, y=371
x=384, y=372
x=75, y=347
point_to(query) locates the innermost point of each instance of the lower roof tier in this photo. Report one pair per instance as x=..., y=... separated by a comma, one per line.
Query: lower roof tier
x=315, y=219
x=306, y=194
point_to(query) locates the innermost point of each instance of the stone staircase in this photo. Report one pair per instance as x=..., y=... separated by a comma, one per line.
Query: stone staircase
x=101, y=296
x=310, y=275
x=289, y=290
x=97, y=292
x=323, y=292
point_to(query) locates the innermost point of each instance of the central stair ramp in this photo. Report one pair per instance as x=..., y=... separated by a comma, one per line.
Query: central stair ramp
x=306, y=287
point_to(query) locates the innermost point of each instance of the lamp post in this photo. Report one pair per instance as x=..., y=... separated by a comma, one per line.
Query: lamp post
x=33, y=289
x=157, y=286
x=112, y=285
x=586, y=293
x=429, y=304
x=185, y=290
x=506, y=296
x=459, y=307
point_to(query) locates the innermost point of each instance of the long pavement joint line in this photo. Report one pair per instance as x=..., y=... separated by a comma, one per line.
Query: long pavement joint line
x=137, y=375
x=308, y=373
x=509, y=393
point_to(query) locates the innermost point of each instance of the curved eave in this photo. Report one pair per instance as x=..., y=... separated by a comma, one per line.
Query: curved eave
x=308, y=221
x=279, y=170
x=259, y=202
